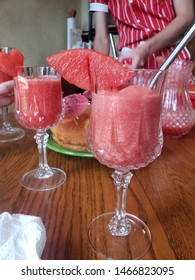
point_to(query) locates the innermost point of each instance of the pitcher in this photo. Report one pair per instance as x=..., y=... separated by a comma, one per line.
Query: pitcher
x=178, y=116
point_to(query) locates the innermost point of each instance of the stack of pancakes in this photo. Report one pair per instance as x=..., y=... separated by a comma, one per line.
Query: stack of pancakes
x=72, y=133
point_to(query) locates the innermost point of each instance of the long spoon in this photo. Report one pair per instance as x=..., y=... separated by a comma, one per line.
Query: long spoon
x=113, y=47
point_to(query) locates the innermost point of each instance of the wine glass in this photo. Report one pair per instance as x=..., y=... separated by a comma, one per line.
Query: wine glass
x=125, y=133
x=39, y=106
x=7, y=132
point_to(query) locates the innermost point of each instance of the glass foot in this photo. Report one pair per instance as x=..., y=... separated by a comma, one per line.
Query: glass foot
x=12, y=134
x=31, y=181
x=130, y=247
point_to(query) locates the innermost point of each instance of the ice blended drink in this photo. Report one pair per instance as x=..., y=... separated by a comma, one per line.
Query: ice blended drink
x=39, y=103
x=126, y=127
x=38, y=106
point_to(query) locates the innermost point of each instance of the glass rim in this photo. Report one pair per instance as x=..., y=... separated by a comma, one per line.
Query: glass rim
x=36, y=70
x=34, y=66
x=183, y=60
x=130, y=69
x=6, y=49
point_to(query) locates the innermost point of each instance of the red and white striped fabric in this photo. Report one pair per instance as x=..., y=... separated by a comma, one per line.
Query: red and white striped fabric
x=138, y=20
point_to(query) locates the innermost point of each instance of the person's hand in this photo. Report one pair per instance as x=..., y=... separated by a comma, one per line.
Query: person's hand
x=135, y=58
x=6, y=93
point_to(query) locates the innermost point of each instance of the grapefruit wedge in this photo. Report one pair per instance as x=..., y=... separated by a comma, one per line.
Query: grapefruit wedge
x=7, y=66
x=77, y=66
x=16, y=57
x=9, y=61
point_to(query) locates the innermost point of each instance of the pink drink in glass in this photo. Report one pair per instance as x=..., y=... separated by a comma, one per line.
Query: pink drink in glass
x=126, y=134
x=178, y=116
x=8, y=58
x=39, y=104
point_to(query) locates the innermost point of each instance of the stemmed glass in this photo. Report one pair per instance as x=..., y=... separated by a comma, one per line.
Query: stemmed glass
x=7, y=132
x=125, y=133
x=39, y=106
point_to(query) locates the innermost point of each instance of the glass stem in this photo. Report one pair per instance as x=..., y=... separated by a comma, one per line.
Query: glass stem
x=44, y=171
x=6, y=124
x=119, y=225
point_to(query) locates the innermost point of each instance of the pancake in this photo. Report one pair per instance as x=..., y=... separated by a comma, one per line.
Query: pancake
x=72, y=133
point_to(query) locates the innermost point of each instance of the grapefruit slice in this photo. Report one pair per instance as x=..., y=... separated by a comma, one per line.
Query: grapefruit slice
x=77, y=67
x=9, y=61
x=6, y=65
x=17, y=57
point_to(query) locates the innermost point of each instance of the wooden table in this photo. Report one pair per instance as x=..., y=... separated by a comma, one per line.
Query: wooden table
x=162, y=194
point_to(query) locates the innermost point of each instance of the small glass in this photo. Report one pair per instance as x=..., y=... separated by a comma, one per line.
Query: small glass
x=39, y=106
x=7, y=132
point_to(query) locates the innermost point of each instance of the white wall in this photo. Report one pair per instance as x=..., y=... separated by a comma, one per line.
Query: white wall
x=37, y=27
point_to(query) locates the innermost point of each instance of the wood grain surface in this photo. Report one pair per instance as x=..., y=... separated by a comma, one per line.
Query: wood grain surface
x=161, y=194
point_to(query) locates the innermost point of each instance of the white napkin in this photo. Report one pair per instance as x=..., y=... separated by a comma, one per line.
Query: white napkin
x=22, y=237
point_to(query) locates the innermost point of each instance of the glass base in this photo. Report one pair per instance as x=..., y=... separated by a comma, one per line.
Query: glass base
x=130, y=247
x=12, y=134
x=32, y=182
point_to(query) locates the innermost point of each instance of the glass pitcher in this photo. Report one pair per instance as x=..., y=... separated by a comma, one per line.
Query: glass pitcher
x=178, y=115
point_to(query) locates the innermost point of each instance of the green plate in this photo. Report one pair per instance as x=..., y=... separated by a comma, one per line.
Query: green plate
x=53, y=145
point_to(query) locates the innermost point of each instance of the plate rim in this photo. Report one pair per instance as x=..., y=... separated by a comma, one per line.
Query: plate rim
x=60, y=149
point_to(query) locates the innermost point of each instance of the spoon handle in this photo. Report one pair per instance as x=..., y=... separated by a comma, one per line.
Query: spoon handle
x=114, y=52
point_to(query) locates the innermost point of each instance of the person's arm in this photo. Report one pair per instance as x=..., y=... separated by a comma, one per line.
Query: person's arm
x=172, y=33
x=6, y=93
x=101, y=39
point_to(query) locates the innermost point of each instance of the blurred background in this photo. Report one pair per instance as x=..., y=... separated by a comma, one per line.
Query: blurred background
x=38, y=28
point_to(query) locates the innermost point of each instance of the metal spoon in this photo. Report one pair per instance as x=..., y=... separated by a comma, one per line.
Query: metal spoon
x=114, y=52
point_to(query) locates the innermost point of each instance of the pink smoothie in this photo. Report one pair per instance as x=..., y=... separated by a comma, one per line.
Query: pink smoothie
x=178, y=115
x=38, y=101
x=176, y=126
x=126, y=131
